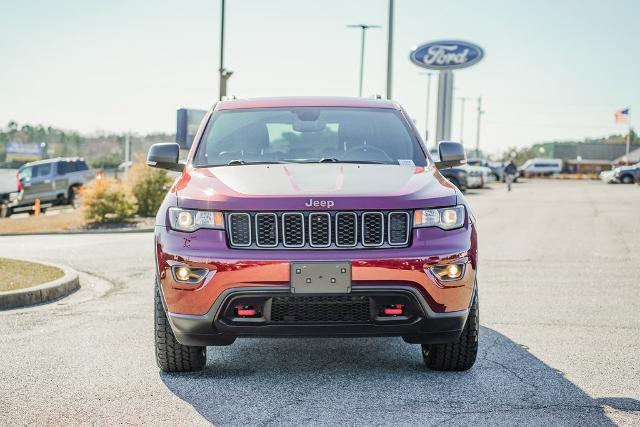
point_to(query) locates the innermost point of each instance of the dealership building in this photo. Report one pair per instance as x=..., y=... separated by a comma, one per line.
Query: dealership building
x=584, y=157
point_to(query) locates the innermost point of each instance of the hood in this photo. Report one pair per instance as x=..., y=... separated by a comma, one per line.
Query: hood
x=322, y=186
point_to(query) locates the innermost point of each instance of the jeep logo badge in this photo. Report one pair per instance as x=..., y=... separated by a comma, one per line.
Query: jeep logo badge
x=319, y=203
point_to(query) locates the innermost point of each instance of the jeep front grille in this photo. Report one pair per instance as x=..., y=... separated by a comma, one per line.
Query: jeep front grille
x=318, y=230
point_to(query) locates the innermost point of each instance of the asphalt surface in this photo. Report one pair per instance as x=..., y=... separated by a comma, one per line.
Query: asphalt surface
x=560, y=339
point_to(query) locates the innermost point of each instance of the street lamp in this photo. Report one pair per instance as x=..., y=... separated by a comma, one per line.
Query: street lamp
x=480, y=113
x=390, y=49
x=224, y=73
x=426, y=122
x=364, y=28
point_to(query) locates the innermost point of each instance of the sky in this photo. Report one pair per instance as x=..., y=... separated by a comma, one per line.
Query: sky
x=554, y=69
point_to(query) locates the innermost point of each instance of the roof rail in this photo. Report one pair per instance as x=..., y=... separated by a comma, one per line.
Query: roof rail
x=228, y=98
x=376, y=96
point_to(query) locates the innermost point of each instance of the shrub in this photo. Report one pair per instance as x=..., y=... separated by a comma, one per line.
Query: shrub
x=107, y=200
x=149, y=186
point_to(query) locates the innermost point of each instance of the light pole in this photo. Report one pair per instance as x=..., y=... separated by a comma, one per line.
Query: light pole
x=364, y=28
x=480, y=113
x=390, y=49
x=224, y=73
x=462, y=101
x=426, y=122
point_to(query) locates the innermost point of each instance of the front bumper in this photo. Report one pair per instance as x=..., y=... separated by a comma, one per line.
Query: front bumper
x=199, y=314
x=220, y=326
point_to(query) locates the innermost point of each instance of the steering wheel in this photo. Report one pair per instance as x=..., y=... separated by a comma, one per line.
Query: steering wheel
x=379, y=153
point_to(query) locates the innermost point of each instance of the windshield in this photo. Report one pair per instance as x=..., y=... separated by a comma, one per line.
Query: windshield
x=302, y=135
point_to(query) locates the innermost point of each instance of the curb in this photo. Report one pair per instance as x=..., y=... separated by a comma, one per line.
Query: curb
x=98, y=231
x=42, y=293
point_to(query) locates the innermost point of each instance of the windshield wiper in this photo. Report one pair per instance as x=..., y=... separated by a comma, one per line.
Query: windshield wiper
x=368, y=162
x=237, y=162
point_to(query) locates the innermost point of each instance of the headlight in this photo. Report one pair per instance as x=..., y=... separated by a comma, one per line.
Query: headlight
x=191, y=220
x=445, y=218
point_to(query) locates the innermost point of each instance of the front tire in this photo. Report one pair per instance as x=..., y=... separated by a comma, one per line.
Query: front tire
x=459, y=355
x=627, y=179
x=75, y=197
x=171, y=356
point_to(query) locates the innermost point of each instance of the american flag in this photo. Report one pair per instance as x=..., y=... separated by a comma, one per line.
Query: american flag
x=622, y=116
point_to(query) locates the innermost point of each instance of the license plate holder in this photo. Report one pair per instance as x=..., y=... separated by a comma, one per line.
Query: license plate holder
x=320, y=277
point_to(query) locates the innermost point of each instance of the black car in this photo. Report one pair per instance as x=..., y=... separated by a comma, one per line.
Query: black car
x=456, y=176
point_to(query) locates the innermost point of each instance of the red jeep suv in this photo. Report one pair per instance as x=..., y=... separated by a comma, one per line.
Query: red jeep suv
x=305, y=217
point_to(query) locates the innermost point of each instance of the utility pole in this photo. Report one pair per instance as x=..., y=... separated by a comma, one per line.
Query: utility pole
x=480, y=113
x=224, y=73
x=462, y=100
x=127, y=154
x=390, y=50
x=426, y=122
x=364, y=28
x=626, y=156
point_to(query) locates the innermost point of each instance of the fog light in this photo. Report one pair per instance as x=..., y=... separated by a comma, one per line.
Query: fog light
x=182, y=273
x=186, y=274
x=453, y=271
x=448, y=272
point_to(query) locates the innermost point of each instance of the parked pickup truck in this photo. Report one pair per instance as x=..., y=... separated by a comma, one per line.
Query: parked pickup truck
x=52, y=181
x=313, y=217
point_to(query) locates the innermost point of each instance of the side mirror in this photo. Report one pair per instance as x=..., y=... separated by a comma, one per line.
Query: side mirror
x=451, y=154
x=165, y=155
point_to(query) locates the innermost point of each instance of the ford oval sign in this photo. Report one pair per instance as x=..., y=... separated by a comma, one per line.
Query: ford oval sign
x=446, y=55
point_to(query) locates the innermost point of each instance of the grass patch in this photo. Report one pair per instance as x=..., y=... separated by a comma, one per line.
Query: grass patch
x=43, y=223
x=15, y=274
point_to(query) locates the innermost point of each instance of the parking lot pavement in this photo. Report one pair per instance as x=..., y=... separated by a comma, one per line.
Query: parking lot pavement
x=559, y=303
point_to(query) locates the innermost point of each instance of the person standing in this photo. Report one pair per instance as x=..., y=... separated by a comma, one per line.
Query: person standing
x=510, y=173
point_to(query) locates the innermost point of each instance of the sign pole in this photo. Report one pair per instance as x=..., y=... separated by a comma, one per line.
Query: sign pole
x=445, y=104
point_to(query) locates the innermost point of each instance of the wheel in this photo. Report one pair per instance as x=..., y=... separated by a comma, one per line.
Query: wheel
x=627, y=179
x=171, y=356
x=5, y=211
x=75, y=197
x=461, y=354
